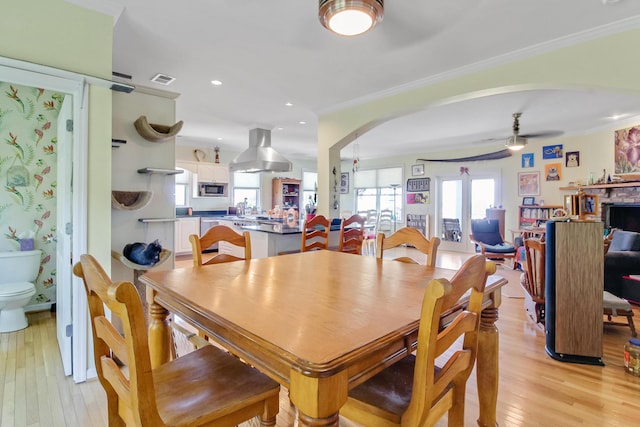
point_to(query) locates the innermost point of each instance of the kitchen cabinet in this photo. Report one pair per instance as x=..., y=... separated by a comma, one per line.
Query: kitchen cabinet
x=184, y=228
x=286, y=193
x=213, y=172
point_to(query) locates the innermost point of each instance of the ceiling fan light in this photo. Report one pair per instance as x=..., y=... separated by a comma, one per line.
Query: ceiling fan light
x=350, y=17
x=516, y=143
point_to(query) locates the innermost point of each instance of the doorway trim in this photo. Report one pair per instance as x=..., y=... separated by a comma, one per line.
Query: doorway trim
x=35, y=75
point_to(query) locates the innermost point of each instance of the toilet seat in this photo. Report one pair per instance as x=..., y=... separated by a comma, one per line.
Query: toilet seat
x=16, y=289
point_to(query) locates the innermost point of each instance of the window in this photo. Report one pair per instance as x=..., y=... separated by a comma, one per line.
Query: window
x=246, y=186
x=182, y=187
x=309, y=189
x=379, y=189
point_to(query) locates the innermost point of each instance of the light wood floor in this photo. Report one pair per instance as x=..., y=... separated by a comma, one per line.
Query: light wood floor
x=535, y=390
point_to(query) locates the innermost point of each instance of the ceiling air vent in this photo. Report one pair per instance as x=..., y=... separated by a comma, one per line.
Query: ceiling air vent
x=163, y=79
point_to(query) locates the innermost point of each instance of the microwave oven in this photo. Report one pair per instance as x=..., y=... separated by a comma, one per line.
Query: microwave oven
x=208, y=189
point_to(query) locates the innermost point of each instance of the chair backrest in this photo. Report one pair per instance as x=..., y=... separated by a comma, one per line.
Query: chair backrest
x=409, y=236
x=352, y=235
x=315, y=234
x=535, y=250
x=130, y=396
x=385, y=221
x=436, y=340
x=486, y=231
x=215, y=234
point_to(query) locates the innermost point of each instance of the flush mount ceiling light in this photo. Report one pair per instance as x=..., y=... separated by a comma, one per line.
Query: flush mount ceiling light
x=516, y=142
x=350, y=17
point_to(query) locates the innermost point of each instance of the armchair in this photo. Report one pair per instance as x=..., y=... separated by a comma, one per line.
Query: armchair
x=623, y=259
x=485, y=234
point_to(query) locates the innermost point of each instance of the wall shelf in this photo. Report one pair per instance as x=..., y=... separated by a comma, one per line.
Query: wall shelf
x=605, y=186
x=148, y=220
x=160, y=171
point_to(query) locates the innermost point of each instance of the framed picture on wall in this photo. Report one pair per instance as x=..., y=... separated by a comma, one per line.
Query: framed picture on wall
x=527, y=160
x=528, y=183
x=417, y=170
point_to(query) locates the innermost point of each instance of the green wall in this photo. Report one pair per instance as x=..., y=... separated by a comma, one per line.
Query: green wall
x=61, y=35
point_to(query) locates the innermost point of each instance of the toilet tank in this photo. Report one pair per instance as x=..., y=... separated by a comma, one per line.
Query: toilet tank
x=19, y=266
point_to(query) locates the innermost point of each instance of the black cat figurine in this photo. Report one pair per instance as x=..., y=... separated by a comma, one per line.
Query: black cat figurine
x=143, y=254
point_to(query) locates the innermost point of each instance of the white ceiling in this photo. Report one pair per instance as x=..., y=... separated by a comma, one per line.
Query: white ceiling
x=268, y=53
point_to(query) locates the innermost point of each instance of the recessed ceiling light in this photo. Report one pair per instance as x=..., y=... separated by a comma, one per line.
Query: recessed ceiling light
x=216, y=82
x=280, y=128
x=288, y=104
x=219, y=139
x=302, y=123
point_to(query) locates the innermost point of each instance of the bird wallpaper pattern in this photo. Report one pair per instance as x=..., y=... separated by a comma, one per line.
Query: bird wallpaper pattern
x=28, y=174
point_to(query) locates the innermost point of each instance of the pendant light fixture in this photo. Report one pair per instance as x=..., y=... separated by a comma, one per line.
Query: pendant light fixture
x=350, y=17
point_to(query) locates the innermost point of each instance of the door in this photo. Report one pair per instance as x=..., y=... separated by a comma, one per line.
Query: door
x=461, y=199
x=63, y=246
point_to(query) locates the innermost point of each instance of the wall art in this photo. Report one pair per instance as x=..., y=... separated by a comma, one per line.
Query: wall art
x=552, y=151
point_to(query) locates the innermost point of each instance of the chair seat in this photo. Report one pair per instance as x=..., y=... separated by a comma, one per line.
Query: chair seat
x=615, y=304
x=500, y=248
x=207, y=381
x=389, y=391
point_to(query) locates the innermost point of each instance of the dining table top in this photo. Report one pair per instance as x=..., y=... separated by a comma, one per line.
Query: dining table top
x=314, y=309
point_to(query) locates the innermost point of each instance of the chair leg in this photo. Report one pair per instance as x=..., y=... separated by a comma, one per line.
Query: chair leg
x=631, y=325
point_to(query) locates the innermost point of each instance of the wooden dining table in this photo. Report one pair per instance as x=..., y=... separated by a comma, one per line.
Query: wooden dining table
x=318, y=322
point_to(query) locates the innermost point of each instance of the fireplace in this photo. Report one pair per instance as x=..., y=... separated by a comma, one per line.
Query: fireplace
x=625, y=216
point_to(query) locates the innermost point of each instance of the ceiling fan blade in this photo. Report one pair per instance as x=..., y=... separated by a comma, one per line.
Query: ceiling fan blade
x=543, y=134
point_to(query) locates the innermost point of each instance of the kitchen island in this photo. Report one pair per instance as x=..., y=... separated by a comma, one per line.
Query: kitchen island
x=271, y=237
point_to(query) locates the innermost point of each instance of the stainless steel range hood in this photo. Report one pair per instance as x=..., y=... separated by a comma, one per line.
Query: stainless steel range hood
x=260, y=157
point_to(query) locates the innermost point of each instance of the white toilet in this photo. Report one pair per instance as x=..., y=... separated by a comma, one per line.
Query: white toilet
x=18, y=270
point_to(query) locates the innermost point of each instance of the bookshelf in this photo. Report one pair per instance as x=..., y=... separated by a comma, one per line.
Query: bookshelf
x=530, y=215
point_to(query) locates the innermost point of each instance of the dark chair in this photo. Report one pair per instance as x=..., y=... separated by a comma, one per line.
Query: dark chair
x=409, y=236
x=416, y=391
x=205, y=387
x=352, y=235
x=485, y=234
x=315, y=234
x=217, y=234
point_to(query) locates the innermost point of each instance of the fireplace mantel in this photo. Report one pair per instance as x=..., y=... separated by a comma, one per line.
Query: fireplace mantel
x=605, y=186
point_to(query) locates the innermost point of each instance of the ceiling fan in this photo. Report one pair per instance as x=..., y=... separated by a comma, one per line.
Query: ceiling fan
x=517, y=141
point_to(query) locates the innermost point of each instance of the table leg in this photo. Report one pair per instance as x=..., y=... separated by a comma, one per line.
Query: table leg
x=487, y=367
x=159, y=332
x=318, y=399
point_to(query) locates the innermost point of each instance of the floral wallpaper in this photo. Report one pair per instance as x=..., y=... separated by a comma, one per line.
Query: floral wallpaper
x=28, y=173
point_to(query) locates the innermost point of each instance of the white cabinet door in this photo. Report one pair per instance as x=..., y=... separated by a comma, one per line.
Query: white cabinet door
x=213, y=172
x=184, y=228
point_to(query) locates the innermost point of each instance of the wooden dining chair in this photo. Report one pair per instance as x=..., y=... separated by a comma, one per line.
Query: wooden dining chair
x=315, y=234
x=205, y=387
x=370, y=233
x=416, y=391
x=534, y=281
x=409, y=236
x=352, y=235
x=385, y=221
x=217, y=234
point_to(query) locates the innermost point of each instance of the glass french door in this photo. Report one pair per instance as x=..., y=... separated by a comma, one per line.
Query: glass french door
x=461, y=199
